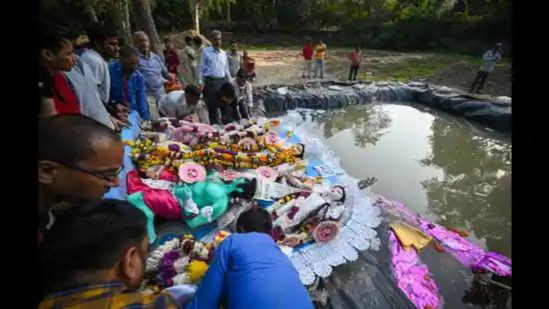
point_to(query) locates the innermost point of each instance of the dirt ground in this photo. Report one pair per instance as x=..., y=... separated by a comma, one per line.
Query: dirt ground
x=283, y=66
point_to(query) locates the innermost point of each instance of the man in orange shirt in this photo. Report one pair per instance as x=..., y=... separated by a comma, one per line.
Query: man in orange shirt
x=320, y=55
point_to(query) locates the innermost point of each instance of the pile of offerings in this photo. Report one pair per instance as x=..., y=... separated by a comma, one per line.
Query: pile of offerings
x=204, y=177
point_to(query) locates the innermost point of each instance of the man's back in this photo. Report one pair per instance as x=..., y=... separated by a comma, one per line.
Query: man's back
x=250, y=271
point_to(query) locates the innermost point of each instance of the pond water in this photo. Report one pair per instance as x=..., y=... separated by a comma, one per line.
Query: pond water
x=443, y=167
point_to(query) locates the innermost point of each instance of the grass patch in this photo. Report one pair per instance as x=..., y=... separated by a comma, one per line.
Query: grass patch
x=423, y=67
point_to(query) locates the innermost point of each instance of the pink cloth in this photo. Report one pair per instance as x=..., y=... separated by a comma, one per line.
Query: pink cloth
x=161, y=202
x=412, y=277
x=467, y=253
x=355, y=58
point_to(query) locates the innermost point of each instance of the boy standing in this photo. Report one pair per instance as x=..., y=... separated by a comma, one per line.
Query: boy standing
x=355, y=58
x=320, y=55
x=307, y=54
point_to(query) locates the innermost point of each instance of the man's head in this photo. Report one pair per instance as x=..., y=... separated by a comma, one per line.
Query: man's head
x=95, y=242
x=192, y=94
x=320, y=42
x=141, y=41
x=197, y=41
x=234, y=46
x=357, y=49
x=216, y=39
x=308, y=41
x=256, y=219
x=189, y=41
x=104, y=40
x=227, y=93
x=129, y=59
x=168, y=43
x=497, y=47
x=78, y=158
x=56, y=53
x=241, y=77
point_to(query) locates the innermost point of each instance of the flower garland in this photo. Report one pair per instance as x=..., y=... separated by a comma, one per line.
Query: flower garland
x=146, y=153
x=182, y=260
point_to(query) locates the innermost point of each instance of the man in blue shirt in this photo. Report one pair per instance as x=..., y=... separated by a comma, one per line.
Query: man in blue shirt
x=249, y=271
x=151, y=67
x=127, y=84
x=214, y=71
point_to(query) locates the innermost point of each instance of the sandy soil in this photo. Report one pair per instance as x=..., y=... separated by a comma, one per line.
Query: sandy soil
x=284, y=66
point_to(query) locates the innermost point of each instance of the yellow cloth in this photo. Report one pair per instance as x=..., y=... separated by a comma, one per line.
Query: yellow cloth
x=409, y=236
x=320, y=51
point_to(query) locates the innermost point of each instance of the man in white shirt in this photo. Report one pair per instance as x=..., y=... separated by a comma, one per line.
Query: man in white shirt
x=488, y=64
x=214, y=72
x=103, y=45
x=182, y=104
x=235, y=59
x=190, y=56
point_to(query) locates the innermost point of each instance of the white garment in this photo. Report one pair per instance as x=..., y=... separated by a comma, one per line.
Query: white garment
x=244, y=93
x=235, y=61
x=84, y=84
x=490, y=59
x=100, y=70
x=190, y=54
x=174, y=105
x=214, y=64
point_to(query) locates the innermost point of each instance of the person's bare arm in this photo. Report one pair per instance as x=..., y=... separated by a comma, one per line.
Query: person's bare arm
x=48, y=108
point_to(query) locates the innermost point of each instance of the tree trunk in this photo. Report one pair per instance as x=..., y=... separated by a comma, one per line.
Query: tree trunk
x=126, y=25
x=196, y=15
x=228, y=11
x=91, y=13
x=145, y=22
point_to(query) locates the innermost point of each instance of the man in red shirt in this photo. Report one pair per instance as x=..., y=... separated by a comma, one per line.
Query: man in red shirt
x=307, y=54
x=355, y=58
x=57, y=56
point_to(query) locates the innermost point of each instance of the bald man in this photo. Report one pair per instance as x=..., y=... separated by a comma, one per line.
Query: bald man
x=153, y=69
x=78, y=158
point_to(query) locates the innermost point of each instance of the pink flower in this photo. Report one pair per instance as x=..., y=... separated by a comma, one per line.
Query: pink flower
x=272, y=138
x=326, y=231
x=229, y=175
x=192, y=172
x=266, y=173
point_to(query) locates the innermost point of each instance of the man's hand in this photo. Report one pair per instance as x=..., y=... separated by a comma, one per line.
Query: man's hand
x=121, y=108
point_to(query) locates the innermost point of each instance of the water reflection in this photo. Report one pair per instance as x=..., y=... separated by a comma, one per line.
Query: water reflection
x=439, y=166
x=366, y=123
x=475, y=191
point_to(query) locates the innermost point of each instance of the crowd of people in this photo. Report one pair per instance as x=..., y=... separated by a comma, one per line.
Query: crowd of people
x=106, y=81
x=92, y=251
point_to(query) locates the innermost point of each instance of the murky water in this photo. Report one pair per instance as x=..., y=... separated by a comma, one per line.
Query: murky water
x=442, y=167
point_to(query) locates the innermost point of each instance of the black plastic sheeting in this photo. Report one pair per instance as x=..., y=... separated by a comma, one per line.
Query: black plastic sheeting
x=328, y=95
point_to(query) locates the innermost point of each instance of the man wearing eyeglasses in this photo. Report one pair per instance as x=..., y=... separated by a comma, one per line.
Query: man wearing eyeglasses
x=78, y=158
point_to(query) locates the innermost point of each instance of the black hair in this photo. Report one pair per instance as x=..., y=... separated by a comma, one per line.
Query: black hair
x=342, y=200
x=227, y=90
x=52, y=41
x=69, y=138
x=197, y=40
x=193, y=90
x=127, y=51
x=167, y=40
x=99, y=34
x=233, y=42
x=87, y=237
x=255, y=219
x=241, y=72
x=188, y=40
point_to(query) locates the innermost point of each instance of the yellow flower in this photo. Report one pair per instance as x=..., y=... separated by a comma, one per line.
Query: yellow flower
x=196, y=270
